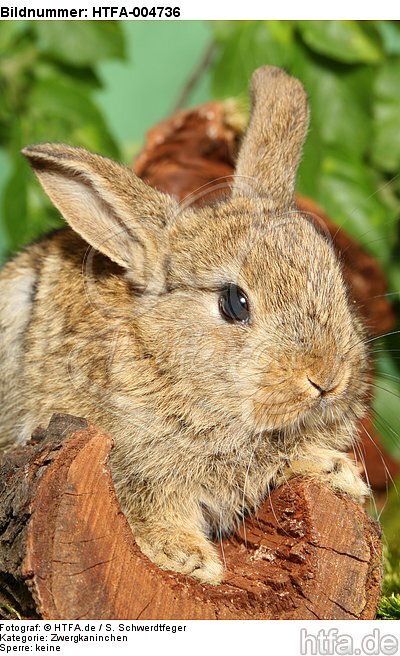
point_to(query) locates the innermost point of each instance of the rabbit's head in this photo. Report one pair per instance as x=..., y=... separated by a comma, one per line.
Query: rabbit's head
x=241, y=305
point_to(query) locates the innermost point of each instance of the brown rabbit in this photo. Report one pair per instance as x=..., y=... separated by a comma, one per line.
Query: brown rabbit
x=218, y=345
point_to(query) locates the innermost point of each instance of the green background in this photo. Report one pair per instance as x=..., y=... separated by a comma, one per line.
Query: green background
x=141, y=91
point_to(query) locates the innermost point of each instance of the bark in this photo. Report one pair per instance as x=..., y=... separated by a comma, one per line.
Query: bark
x=67, y=552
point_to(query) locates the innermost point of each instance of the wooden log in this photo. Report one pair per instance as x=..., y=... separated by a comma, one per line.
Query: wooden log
x=67, y=552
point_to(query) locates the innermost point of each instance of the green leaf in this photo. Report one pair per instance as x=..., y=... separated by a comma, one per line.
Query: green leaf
x=245, y=46
x=342, y=40
x=394, y=276
x=385, y=364
x=385, y=147
x=389, y=32
x=5, y=171
x=223, y=29
x=61, y=109
x=339, y=102
x=348, y=191
x=386, y=85
x=80, y=42
x=10, y=31
x=310, y=166
x=15, y=203
x=386, y=142
x=27, y=211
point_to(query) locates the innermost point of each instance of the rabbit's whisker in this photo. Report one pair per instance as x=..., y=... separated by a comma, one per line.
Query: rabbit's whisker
x=387, y=472
x=393, y=436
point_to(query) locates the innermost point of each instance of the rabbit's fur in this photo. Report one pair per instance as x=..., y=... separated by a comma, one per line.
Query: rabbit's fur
x=205, y=414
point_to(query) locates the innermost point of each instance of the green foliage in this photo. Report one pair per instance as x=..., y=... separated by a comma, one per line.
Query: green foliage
x=389, y=605
x=84, y=44
x=7, y=612
x=389, y=608
x=343, y=41
x=386, y=395
x=351, y=71
x=391, y=581
x=47, y=81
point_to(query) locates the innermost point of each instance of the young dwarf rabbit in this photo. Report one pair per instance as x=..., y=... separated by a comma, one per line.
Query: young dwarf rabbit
x=217, y=346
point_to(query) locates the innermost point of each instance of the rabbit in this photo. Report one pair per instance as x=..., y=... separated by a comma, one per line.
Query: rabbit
x=219, y=346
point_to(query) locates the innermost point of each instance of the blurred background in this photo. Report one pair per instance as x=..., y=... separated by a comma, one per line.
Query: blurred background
x=103, y=84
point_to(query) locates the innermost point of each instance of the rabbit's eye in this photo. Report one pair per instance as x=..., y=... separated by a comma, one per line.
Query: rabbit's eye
x=233, y=304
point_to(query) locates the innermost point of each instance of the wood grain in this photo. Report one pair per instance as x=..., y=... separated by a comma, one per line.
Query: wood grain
x=67, y=552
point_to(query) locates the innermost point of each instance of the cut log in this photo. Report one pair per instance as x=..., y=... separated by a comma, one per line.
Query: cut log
x=67, y=552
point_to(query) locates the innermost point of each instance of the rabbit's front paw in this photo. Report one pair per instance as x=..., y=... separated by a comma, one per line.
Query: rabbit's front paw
x=333, y=468
x=185, y=553
x=345, y=477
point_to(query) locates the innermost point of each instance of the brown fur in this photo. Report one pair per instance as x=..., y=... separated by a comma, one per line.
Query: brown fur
x=205, y=414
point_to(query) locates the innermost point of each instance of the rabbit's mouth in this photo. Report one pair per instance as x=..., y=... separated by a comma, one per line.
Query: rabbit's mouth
x=277, y=416
x=314, y=406
x=317, y=391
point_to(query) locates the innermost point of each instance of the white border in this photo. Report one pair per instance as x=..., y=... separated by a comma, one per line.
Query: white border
x=224, y=10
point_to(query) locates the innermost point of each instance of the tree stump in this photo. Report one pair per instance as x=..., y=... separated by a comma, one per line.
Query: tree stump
x=67, y=552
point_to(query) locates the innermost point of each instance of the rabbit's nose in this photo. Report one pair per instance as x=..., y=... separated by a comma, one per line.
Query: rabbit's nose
x=321, y=389
x=322, y=386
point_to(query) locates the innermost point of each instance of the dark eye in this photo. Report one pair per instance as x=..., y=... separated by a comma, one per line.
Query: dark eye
x=233, y=304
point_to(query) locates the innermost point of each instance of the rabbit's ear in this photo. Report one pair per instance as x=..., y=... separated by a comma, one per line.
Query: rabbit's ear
x=105, y=203
x=271, y=149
